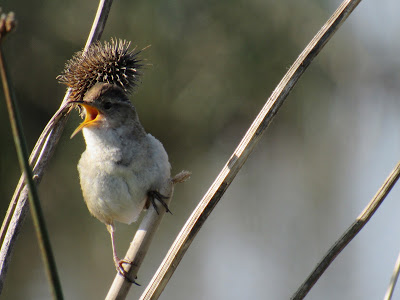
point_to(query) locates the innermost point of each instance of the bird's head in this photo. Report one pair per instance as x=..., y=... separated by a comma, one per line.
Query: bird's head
x=106, y=106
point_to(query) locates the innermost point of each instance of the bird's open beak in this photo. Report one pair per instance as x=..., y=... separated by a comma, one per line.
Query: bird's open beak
x=92, y=116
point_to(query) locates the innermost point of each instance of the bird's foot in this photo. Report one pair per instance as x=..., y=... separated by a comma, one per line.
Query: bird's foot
x=153, y=195
x=121, y=270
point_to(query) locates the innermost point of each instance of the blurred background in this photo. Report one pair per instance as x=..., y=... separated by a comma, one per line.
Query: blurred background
x=213, y=66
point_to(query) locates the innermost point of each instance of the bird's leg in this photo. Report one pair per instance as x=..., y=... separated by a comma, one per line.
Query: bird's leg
x=153, y=195
x=119, y=262
x=111, y=229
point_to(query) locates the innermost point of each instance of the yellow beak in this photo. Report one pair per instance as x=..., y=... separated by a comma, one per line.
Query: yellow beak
x=92, y=117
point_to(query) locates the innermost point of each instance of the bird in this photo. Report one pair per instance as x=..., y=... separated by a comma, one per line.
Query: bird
x=123, y=168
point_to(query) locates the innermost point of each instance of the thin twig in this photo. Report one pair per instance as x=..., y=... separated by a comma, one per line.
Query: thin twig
x=40, y=157
x=393, y=280
x=36, y=210
x=253, y=135
x=99, y=22
x=138, y=249
x=37, y=170
x=141, y=242
x=37, y=213
x=349, y=234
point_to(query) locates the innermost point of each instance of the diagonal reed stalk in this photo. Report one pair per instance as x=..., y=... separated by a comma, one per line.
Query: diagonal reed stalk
x=40, y=157
x=393, y=280
x=141, y=241
x=244, y=149
x=349, y=234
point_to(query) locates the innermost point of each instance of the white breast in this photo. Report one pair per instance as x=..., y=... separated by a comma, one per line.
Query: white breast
x=118, y=191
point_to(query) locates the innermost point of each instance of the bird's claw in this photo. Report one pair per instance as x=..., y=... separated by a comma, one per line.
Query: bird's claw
x=121, y=270
x=156, y=195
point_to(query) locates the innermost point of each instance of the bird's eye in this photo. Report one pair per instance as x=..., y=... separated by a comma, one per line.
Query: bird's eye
x=107, y=105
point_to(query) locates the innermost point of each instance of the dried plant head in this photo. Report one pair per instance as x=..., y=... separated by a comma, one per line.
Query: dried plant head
x=7, y=23
x=109, y=62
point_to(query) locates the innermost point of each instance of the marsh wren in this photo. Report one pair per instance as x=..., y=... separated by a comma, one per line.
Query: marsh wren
x=123, y=168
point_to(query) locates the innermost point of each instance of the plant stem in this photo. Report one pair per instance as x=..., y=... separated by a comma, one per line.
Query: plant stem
x=243, y=150
x=36, y=210
x=393, y=280
x=40, y=157
x=349, y=234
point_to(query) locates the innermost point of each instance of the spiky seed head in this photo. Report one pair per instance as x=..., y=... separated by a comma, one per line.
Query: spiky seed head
x=106, y=62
